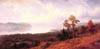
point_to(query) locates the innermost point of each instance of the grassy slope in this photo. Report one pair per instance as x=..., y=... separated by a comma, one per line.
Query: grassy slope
x=76, y=43
x=83, y=42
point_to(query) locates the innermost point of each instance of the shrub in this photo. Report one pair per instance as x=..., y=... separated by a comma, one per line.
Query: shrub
x=65, y=35
x=17, y=41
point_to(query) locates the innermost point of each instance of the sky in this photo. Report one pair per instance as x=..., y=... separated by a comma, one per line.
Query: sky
x=45, y=15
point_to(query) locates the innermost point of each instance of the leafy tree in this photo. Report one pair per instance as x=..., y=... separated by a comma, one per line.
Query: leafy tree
x=74, y=21
x=71, y=22
x=66, y=24
x=90, y=26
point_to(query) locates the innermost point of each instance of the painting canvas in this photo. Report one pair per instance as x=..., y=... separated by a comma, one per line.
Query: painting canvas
x=49, y=24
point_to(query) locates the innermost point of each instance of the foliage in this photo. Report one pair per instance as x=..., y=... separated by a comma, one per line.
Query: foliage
x=17, y=41
x=65, y=35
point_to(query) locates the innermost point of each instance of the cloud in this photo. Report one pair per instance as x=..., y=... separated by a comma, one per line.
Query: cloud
x=14, y=27
x=93, y=2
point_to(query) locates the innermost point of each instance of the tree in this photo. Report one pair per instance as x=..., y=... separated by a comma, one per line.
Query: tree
x=66, y=24
x=71, y=22
x=90, y=26
x=74, y=21
x=70, y=25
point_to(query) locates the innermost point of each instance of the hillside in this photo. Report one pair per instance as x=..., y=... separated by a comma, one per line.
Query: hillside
x=81, y=38
x=87, y=42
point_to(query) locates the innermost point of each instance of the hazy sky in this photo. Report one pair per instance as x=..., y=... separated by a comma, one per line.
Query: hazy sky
x=48, y=14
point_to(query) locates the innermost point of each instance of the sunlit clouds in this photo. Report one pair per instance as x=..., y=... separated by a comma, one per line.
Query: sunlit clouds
x=37, y=11
x=45, y=15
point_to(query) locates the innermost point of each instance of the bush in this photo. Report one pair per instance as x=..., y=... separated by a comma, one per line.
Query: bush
x=17, y=41
x=65, y=35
